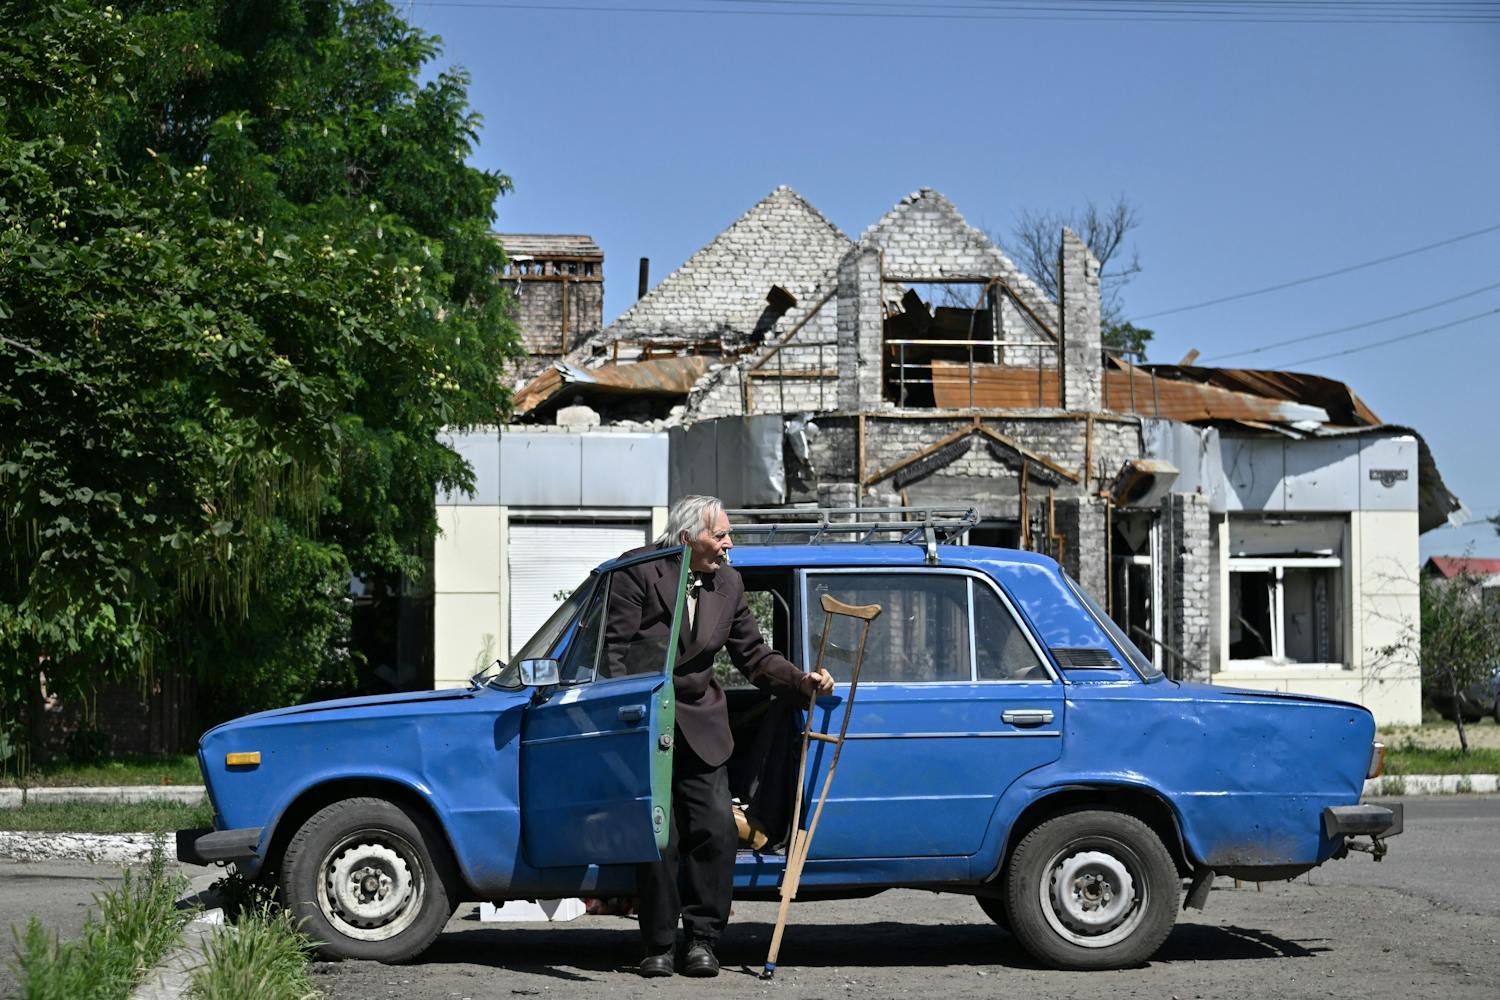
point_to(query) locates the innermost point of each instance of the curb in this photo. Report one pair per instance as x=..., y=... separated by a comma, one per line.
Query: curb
x=171, y=977
x=96, y=848
x=1433, y=784
x=12, y=798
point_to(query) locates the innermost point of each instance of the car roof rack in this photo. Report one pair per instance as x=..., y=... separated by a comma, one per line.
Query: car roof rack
x=814, y=525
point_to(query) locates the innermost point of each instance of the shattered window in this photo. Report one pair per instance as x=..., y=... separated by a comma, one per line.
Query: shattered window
x=1286, y=611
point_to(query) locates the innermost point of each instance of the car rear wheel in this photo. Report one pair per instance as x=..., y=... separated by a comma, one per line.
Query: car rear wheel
x=368, y=880
x=1092, y=889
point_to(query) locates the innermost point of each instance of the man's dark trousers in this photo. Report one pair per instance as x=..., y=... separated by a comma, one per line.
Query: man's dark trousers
x=695, y=875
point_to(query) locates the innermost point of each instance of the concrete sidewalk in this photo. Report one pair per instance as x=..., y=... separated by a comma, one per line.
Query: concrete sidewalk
x=11, y=798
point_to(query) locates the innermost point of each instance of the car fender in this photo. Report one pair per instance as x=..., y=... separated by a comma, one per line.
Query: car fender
x=1056, y=785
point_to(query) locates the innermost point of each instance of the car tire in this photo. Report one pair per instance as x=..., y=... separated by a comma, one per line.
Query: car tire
x=368, y=879
x=1092, y=889
x=994, y=908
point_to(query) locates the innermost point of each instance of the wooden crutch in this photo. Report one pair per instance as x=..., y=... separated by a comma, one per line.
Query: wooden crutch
x=797, y=847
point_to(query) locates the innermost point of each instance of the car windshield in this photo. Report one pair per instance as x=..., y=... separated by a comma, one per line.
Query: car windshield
x=1138, y=659
x=539, y=645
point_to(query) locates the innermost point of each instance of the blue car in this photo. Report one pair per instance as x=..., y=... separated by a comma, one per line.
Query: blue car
x=1007, y=741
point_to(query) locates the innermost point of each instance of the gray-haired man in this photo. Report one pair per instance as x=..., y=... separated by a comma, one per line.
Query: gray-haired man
x=702, y=839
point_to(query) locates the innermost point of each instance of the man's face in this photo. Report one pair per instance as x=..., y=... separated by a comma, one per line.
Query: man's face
x=710, y=547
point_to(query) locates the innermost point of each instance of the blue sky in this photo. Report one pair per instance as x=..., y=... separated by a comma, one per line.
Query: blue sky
x=1256, y=153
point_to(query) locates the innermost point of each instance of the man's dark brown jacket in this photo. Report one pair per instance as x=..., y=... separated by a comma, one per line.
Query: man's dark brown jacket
x=639, y=621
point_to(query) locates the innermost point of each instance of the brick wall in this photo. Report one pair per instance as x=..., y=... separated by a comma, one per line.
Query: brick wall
x=539, y=312
x=1187, y=583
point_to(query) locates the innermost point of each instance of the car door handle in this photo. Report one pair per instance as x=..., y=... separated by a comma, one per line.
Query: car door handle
x=1026, y=716
x=632, y=713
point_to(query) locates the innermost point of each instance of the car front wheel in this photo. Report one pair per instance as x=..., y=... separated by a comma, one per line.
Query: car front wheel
x=1092, y=889
x=368, y=880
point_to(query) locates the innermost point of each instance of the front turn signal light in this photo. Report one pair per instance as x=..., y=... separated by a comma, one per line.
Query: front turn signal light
x=1377, y=760
x=248, y=758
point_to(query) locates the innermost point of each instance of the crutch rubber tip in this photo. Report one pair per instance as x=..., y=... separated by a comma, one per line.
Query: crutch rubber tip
x=768, y=971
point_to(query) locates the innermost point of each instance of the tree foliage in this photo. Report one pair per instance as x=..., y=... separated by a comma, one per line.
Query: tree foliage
x=1459, y=641
x=1035, y=244
x=244, y=282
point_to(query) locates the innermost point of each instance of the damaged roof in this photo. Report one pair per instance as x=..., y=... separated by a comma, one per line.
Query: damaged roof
x=782, y=241
x=1337, y=400
x=519, y=246
x=1258, y=399
x=661, y=377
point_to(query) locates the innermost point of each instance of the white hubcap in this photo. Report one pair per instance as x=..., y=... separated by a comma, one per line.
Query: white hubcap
x=368, y=889
x=1089, y=898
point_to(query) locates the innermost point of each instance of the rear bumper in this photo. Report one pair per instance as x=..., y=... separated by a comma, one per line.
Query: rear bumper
x=202, y=846
x=1365, y=819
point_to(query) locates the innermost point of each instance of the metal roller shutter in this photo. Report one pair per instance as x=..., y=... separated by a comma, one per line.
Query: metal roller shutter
x=549, y=557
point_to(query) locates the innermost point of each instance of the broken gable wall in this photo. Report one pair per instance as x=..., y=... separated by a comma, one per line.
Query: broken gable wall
x=721, y=292
x=923, y=239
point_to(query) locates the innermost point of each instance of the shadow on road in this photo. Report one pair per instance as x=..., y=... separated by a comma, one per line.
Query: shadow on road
x=573, y=953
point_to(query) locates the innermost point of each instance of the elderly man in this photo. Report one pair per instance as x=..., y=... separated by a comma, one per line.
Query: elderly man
x=702, y=840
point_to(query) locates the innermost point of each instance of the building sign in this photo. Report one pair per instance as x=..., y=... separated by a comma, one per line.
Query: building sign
x=1388, y=477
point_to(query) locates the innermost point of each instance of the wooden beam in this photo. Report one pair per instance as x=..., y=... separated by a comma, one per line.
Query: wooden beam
x=1025, y=452
x=891, y=470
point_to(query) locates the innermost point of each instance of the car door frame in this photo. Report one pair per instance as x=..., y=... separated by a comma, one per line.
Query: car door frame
x=610, y=807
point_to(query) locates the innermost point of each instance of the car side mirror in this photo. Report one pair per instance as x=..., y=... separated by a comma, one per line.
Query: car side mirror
x=540, y=673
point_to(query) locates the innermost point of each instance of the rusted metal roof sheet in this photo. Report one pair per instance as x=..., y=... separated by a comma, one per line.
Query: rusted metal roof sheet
x=521, y=245
x=1126, y=390
x=662, y=377
x=1344, y=408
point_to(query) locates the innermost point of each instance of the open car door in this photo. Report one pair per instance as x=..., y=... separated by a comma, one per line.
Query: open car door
x=596, y=750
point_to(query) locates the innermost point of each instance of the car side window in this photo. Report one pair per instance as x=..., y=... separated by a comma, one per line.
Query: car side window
x=921, y=636
x=628, y=625
x=1001, y=651
x=583, y=652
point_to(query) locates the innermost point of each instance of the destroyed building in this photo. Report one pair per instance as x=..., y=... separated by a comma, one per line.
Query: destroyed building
x=1253, y=528
x=556, y=283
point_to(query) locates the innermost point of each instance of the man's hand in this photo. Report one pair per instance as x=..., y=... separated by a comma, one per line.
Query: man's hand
x=821, y=682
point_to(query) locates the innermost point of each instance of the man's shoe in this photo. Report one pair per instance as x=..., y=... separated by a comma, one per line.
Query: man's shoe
x=700, y=961
x=655, y=966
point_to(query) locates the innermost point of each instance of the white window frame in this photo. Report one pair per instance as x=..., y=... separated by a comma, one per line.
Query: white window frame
x=1276, y=566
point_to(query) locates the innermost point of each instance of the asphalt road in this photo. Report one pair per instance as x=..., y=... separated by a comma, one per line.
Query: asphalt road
x=1425, y=921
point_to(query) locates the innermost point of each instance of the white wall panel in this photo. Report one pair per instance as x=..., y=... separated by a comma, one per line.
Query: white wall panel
x=1254, y=470
x=624, y=470
x=465, y=638
x=540, y=470
x=1388, y=474
x=466, y=553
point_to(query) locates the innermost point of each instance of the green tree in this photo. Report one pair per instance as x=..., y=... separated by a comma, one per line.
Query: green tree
x=245, y=281
x=1460, y=640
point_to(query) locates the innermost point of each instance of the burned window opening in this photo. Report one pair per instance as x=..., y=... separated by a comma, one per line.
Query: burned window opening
x=944, y=355
x=1285, y=611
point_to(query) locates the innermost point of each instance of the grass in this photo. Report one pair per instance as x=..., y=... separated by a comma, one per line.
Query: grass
x=127, y=769
x=106, y=817
x=137, y=922
x=1408, y=758
x=262, y=955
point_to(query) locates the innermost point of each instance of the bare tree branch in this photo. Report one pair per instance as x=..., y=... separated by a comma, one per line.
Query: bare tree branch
x=1036, y=239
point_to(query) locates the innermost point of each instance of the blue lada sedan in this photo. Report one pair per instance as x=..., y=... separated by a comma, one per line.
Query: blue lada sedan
x=1007, y=741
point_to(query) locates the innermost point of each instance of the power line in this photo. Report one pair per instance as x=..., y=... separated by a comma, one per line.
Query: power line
x=1353, y=326
x=1412, y=14
x=1328, y=274
x=1391, y=340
